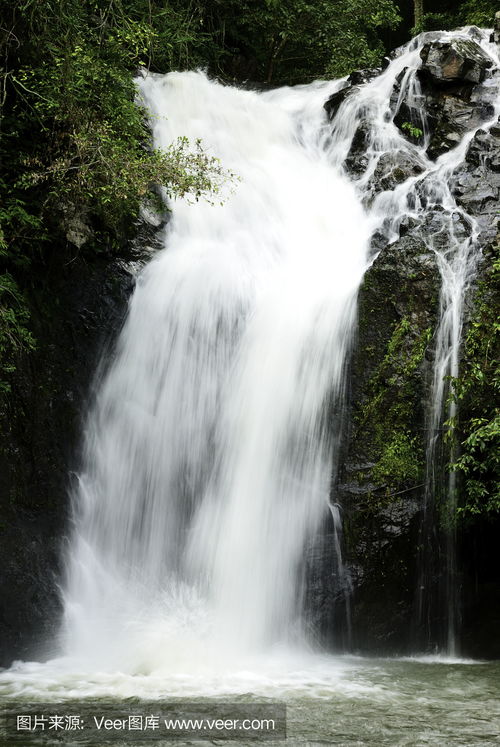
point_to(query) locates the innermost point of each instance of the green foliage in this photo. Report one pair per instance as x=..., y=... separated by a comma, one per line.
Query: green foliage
x=74, y=143
x=397, y=464
x=477, y=391
x=74, y=140
x=413, y=132
x=73, y=85
x=478, y=12
x=390, y=410
x=14, y=335
x=297, y=41
x=438, y=21
x=449, y=14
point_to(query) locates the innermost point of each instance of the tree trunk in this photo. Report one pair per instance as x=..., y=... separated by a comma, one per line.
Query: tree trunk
x=418, y=6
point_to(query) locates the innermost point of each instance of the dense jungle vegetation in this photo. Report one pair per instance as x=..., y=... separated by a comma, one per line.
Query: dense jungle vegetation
x=75, y=147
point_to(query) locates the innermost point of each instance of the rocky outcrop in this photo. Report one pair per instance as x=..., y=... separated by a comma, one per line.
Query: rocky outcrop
x=477, y=183
x=348, y=88
x=75, y=309
x=381, y=481
x=454, y=61
x=455, y=93
x=393, y=169
x=380, y=484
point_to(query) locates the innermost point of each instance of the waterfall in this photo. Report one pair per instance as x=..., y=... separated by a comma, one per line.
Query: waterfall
x=451, y=235
x=208, y=451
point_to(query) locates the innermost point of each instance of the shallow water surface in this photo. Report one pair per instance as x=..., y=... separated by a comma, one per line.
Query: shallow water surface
x=330, y=700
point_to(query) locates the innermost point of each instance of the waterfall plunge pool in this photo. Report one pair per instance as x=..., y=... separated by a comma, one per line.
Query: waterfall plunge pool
x=329, y=700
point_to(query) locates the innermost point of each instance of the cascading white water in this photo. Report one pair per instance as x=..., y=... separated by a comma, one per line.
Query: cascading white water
x=207, y=456
x=446, y=230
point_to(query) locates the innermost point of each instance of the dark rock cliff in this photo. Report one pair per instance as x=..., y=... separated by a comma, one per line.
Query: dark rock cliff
x=77, y=303
x=380, y=485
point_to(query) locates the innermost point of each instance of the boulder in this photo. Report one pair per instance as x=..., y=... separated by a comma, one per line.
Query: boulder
x=454, y=93
x=393, y=169
x=349, y=87
x=336, y=99
x=456, y=60
x=452, y=113
x=357, y=158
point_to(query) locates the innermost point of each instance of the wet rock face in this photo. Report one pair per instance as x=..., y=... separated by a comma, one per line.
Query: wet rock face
x=457, y=98
x=393, y=169
x=477, y=183
x=336, y=99
x=457, y=93
x=349, y=87
x=357, y=158
x=451, y=114
x=78, y=302
x=455, y=90
x=382, y=522
x=456, y=60
x=76, y=307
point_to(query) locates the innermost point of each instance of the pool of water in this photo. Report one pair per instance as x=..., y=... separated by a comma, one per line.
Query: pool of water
x=329, y=700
